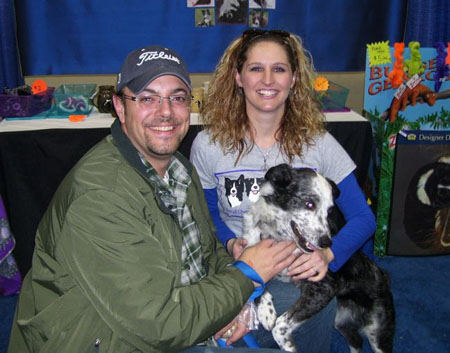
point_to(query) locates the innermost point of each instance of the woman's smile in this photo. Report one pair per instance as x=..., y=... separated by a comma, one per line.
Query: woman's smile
x=266, y=79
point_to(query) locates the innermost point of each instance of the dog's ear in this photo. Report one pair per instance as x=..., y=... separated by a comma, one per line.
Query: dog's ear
x=280, y=175
x=335, y=190
x=335, y=217
x=335, y=220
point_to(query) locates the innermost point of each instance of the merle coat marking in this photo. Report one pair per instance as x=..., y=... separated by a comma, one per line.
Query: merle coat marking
x=296, y=205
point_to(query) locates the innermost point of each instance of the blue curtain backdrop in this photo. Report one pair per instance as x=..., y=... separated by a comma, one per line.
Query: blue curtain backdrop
x=428, y=22
x=10, y=73
x=93, y=37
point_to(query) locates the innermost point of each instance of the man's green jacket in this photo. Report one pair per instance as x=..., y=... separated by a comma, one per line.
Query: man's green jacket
x=107, y=261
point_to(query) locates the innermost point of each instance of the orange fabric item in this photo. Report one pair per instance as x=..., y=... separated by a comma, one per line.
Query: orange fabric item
x=38, y=86
x=77, y=118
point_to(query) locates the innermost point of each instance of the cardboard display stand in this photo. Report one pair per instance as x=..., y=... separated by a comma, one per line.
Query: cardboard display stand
x=409, y=178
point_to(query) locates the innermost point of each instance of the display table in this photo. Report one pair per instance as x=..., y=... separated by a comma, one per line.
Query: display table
x=35, y=155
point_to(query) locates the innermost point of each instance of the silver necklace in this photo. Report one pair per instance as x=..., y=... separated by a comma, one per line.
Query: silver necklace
x=265, y=155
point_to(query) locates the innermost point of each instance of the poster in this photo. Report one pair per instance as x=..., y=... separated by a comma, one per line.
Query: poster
x=416, y=102
x=420, y=216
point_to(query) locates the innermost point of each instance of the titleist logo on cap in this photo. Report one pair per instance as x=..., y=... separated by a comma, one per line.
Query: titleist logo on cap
x=153, y=55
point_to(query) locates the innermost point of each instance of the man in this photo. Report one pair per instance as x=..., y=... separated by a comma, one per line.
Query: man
x=126, y=258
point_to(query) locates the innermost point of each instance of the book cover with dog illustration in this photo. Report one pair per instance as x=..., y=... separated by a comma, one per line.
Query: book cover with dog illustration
x=406, y=88
x=420, y=216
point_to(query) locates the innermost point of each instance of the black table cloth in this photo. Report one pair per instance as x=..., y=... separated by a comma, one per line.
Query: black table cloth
x=33, y=163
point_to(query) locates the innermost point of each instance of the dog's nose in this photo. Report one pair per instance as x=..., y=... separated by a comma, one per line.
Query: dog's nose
x=324, y=241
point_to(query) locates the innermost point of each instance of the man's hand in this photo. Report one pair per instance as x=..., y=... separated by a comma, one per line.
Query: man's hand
x=268, y=257
x=236, y=329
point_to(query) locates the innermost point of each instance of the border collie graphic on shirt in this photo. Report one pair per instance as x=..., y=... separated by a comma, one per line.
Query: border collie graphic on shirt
x=252, y=187
x=234, y=190
x=237, y=190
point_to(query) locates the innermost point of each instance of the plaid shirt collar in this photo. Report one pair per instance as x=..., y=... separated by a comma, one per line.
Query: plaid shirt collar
x=172, y=191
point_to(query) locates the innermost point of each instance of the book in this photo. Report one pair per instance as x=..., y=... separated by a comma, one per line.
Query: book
x=415, y=103
x=420, y=212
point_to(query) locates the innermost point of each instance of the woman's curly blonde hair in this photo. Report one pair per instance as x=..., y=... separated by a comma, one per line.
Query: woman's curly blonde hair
x=223, y=112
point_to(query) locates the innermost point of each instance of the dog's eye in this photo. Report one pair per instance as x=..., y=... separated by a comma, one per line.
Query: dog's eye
x=310, y=205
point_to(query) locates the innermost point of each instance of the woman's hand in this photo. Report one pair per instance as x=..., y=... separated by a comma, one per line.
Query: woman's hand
x=235, y=246
x=312, y=266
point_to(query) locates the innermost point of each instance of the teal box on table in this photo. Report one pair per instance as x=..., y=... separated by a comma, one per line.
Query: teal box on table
x=74, y=99
x=334, y=98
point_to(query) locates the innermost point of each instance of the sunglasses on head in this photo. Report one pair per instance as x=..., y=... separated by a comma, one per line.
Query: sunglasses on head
x=254, y=32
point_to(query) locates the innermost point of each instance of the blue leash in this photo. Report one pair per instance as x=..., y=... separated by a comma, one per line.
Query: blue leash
x=249, y=340
x=247, y=270
x=253, y=275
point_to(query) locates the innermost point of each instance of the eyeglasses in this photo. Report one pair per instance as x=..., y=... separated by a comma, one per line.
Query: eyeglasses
x=255, y=32
x=155, y=101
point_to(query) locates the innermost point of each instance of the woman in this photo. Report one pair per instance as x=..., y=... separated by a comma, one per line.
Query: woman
x=260, y=111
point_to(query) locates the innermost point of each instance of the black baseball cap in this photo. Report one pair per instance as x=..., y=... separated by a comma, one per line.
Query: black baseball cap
x=144, y=65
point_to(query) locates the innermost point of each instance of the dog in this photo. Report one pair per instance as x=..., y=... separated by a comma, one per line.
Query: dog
x=234, y=190
x=298, y=204
x=228, y=7
x=233, y=11
x=427, y=206
x=206, y=19
x=252, y=187
x=258, y=19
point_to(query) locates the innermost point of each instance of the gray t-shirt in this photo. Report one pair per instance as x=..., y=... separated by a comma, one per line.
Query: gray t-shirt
x=238, y=186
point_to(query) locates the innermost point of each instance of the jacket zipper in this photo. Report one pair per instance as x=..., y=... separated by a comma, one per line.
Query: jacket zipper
x=97, y=345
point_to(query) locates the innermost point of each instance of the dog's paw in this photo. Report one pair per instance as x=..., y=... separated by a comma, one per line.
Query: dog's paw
x=282, y=333
x=267, y=314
